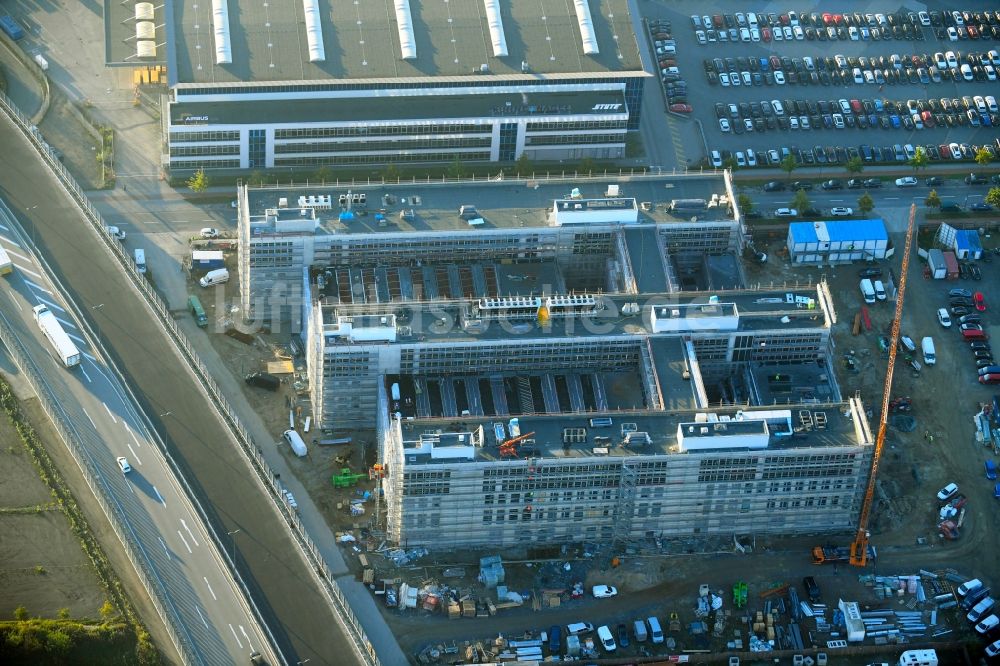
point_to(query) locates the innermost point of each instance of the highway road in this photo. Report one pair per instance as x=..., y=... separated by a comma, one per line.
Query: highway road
x=282, y=584
x=158, y=516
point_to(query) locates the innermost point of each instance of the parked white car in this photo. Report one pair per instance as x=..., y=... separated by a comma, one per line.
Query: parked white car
x=604, y=591
x=948, y=492
x=943, y=318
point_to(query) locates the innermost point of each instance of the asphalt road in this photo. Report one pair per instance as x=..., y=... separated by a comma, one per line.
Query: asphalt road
x=283, y=587
x=158, y=515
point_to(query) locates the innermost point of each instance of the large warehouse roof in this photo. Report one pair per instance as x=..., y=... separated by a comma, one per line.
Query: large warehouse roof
x=317, y=40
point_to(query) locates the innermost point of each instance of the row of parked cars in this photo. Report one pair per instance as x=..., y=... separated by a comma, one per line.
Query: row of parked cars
x=965, y=312
x=640, y=631
x=674, y=84
x=919, y=69
x=815, y=26
x=870, y=154
x=975, y=598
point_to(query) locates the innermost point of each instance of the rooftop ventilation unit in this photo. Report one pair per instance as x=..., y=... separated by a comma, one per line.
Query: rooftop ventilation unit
x=145, y=48
x=496, y=28
x=407, y=43
x=314, y=31
x=145, y=30
x=144, y=11
x=586, y=27
x=220, y=26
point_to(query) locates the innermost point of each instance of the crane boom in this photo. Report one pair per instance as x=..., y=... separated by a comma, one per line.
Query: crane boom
x=859, y=549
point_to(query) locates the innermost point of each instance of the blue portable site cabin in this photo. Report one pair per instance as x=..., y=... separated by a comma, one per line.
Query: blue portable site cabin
x=839, y=241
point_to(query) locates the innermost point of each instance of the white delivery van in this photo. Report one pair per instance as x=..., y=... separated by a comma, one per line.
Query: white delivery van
x=140, y=259
x=927, y=345
x=639, y=629
x=981, y=609
x=218, y=276
x=868, y=291
x=655, y=633
x=294, y=440
x=879, y=290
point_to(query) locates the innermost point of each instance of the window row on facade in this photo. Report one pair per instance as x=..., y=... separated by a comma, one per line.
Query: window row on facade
x=379, y=159
x=396, y=144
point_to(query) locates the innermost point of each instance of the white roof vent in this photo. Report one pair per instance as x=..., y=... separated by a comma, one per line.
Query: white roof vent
x=314, y=31
x=586, y=27
x=496, y=28
x=220, y=26
x=145, y=48
x=145, y=30
x=144, y=11
x=407, y=43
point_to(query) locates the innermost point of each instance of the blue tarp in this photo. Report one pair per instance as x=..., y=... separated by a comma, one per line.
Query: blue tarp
x=839, y=230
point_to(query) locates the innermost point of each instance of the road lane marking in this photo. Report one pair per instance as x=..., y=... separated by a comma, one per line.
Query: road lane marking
x=892, y=198
x=89, y=380
x=28, y=271
x=134, y=454
x=18, y=246
x=42, y=289
x=836, y=200
x=108, y=410
x=213, y=594
x=162, y=501
x=164, y=544
x=4, y=228
x=190, y=533
x=78, y=339
x=129, y=431
x=244, y=632
x=92, y=358
x=236, y=637
x=203, y=620
x=185, y=541
x=15, y=300
x=91, y=420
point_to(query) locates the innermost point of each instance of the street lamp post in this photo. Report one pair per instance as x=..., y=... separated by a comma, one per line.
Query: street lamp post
x=233, y=535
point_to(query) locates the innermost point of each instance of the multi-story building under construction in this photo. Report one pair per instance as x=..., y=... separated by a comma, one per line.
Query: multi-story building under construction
x=557, y=366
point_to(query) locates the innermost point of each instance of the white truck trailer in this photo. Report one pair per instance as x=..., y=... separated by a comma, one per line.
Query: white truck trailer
x=53, y=330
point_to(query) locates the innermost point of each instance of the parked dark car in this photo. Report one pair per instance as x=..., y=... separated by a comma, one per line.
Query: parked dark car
x=264, y=380
x=774, y=186
x=623, y=636
x=870, y=273
x=812, y=589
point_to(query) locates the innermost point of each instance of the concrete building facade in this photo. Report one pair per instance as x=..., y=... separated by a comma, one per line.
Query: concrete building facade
x=472, y=80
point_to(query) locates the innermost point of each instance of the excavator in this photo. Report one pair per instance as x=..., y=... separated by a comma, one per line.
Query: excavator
x=861, y=551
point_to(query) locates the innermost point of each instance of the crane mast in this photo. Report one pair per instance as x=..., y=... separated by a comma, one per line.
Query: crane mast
x=859, y=548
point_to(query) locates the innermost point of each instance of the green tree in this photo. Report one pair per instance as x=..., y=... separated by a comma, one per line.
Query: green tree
x=919, y=159
x=800, y=201
x=745, y=203
x=256, y=178
x=21, y=613
x=456, y=169
x=730, y=163
x=983, y=156
x=866, y=203
x=199, y=181
x=58, y=642
x=788, y=165
x=63, y=614
x=390, y=172
x=323, y=174
x=587, y=165
x=932, y=200
x=855, y=165
x=993, y=197
x=107, y=610
x=523, y=167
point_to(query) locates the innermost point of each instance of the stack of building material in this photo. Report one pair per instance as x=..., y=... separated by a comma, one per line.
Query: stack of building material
x=491, y=572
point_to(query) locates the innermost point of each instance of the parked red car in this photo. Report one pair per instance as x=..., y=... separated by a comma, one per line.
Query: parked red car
x=681, y=108
x=980, y=301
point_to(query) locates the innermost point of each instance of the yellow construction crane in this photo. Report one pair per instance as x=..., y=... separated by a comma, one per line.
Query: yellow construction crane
x=860, y=548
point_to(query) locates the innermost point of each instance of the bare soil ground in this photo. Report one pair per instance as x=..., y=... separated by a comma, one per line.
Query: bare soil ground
x=37, y=534
x=63, y=129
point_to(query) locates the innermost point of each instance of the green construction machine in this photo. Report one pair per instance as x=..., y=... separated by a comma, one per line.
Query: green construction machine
x=346, y=478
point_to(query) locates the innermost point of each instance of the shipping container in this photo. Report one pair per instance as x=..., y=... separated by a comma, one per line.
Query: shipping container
x=11, y=27
x=951, y=264
x=936, y=265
